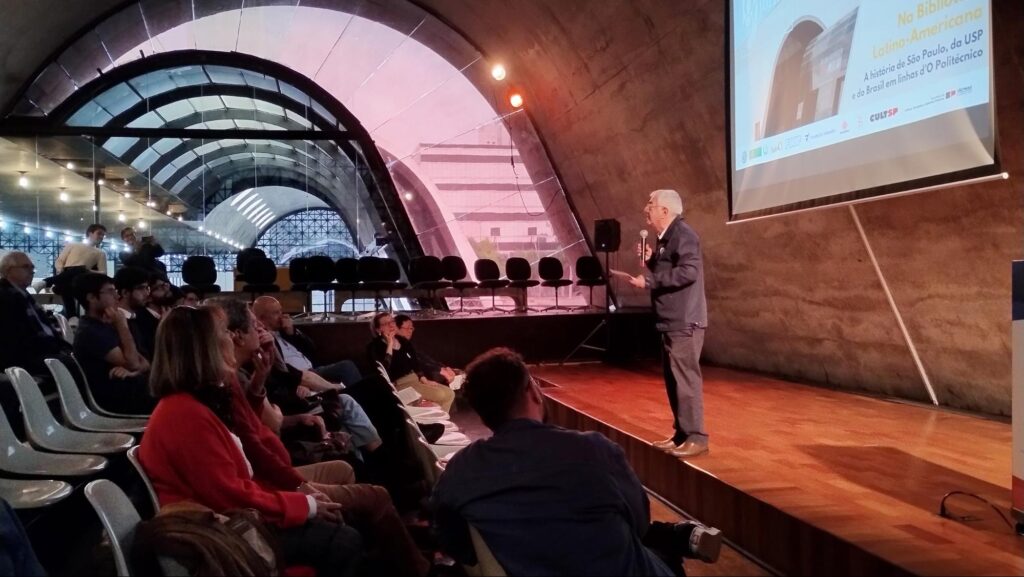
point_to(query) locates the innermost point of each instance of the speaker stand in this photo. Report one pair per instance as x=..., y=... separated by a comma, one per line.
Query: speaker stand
x=585, y=343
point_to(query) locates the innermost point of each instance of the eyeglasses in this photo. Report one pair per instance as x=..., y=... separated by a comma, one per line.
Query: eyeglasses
x=142, y=287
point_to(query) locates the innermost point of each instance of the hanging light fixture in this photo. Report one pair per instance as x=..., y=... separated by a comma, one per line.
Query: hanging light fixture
x=498, y=72
x=22, y=180
x=64, y=197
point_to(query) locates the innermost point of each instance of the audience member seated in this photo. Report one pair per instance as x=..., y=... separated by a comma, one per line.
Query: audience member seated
x=76, y=258
x=26, y=336
x=398, y=357
x=366, y=507
x=294, y=348
x=105, y=347
x=190, y=453
x=255, y=361
x=547, y=500
x=190, y=296
x=133, y=296
x=142, y=253
x=433, y=370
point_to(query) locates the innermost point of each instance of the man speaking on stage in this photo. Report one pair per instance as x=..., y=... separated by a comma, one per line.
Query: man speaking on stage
x=675, y=276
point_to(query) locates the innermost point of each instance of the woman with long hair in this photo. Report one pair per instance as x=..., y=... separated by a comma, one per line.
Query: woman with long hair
x=190, y=453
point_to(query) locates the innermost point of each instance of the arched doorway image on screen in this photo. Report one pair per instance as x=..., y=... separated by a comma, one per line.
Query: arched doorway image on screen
x=809, y=74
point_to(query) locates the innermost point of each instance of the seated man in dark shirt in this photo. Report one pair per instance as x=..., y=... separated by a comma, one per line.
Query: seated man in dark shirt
x=550, y=501
x=133, y=295
x=27, y=338
x=433, y=370
x=105, y=347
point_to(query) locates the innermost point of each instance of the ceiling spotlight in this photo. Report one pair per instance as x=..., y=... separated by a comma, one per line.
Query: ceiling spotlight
x=64, y=197
x=498, y=72
x=127, y=195
x=200, y=229
x=49, y=234
x=95, y=208
x=126, y=183
x=181, y=218
x=142, y=224
x=22, y=180
x=100, y=181
x=67, y=238
x=169, y=212
x=151, y=204
x=121, y=217
x=516, y=100
x=27, y=230
x=67, y=232
x=408, y=196
x=70, y=165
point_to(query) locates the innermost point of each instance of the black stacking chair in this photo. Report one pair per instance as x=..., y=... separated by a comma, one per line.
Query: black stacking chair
x=201, y=273
x=518, y=273
x=455, y=272
x=243, y=259
x=346, y=271
x=260, y=277
x=488, y=276
x=320, y=273
x=590, y=274
x=299, y=278
x=426, y=273
x=551, y=273
x=380, y=275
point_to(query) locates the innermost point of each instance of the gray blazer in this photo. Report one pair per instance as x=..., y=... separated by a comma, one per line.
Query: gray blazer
x=675, y=275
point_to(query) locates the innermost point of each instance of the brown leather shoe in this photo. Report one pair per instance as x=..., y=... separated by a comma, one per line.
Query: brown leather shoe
x=690, y=449
x=666, y=445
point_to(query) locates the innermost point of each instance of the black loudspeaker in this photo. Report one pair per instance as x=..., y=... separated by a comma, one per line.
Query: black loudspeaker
x=607, y=235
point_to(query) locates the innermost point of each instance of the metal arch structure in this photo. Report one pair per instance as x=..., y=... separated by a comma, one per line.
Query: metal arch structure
x=354, y=142
x=289, y=236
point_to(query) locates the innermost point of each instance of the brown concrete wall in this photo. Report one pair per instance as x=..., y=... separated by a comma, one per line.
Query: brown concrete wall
x=629, y=96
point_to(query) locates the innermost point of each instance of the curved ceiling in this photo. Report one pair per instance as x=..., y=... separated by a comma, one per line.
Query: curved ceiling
x=244, y=216
x=630, y=98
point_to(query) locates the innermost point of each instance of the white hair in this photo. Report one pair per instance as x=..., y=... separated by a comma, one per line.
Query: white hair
x=669, y=199
x=9, y=261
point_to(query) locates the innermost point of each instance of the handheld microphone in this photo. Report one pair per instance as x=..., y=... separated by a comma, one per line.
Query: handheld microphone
x=643, y=246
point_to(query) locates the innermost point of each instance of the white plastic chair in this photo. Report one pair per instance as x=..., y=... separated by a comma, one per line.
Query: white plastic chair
x=45, y=432
x=33, y=494
x=65, y=328
x=133, y=456
x=119, y=518
x=22, y=459
x=78, y=414
x=96, y=408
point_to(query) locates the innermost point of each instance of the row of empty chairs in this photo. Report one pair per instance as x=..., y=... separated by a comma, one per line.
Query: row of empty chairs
x=79, y=447
x=431, y=274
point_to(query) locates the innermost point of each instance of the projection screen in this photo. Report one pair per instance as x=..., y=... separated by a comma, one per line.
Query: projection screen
x=843, y=100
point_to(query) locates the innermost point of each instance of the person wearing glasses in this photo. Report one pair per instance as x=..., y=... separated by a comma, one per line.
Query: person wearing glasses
x=142, y=253
x=133, y=296
x=26, y=336
x=114, y=368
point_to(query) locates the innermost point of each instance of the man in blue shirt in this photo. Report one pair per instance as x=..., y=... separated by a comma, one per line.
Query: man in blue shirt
x=547, y=500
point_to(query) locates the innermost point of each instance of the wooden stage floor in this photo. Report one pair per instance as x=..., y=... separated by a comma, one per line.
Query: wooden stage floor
x=809, y=480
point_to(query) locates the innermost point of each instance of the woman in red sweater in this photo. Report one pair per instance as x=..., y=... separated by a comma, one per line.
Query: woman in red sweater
x=190, y=454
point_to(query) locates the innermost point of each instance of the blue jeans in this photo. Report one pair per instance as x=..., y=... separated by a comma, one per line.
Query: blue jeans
x=356, y=423
x=344, y=372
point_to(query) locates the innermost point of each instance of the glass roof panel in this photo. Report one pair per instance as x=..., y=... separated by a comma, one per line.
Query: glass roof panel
x=208, y=147
x=118, y=145
x=148, y=120
x=294, y=93
x=238, y=102
x=269, y=107
x=153, y=83
x=189, y=76
x=176, y=110
x=165, y=173
x=165, y=145
x=118, y=98
x=226, y=75
x=207, y=103
x=92, y=114
x=145, y=160
x=182, y=184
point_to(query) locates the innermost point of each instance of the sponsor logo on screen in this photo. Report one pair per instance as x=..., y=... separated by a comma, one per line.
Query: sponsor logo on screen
x=884, y=114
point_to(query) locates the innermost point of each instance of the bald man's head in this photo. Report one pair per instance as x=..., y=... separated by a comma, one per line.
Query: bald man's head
x=268, y=310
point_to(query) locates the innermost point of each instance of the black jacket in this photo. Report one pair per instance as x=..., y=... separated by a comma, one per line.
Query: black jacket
x=675, y=275
x=24, y=342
